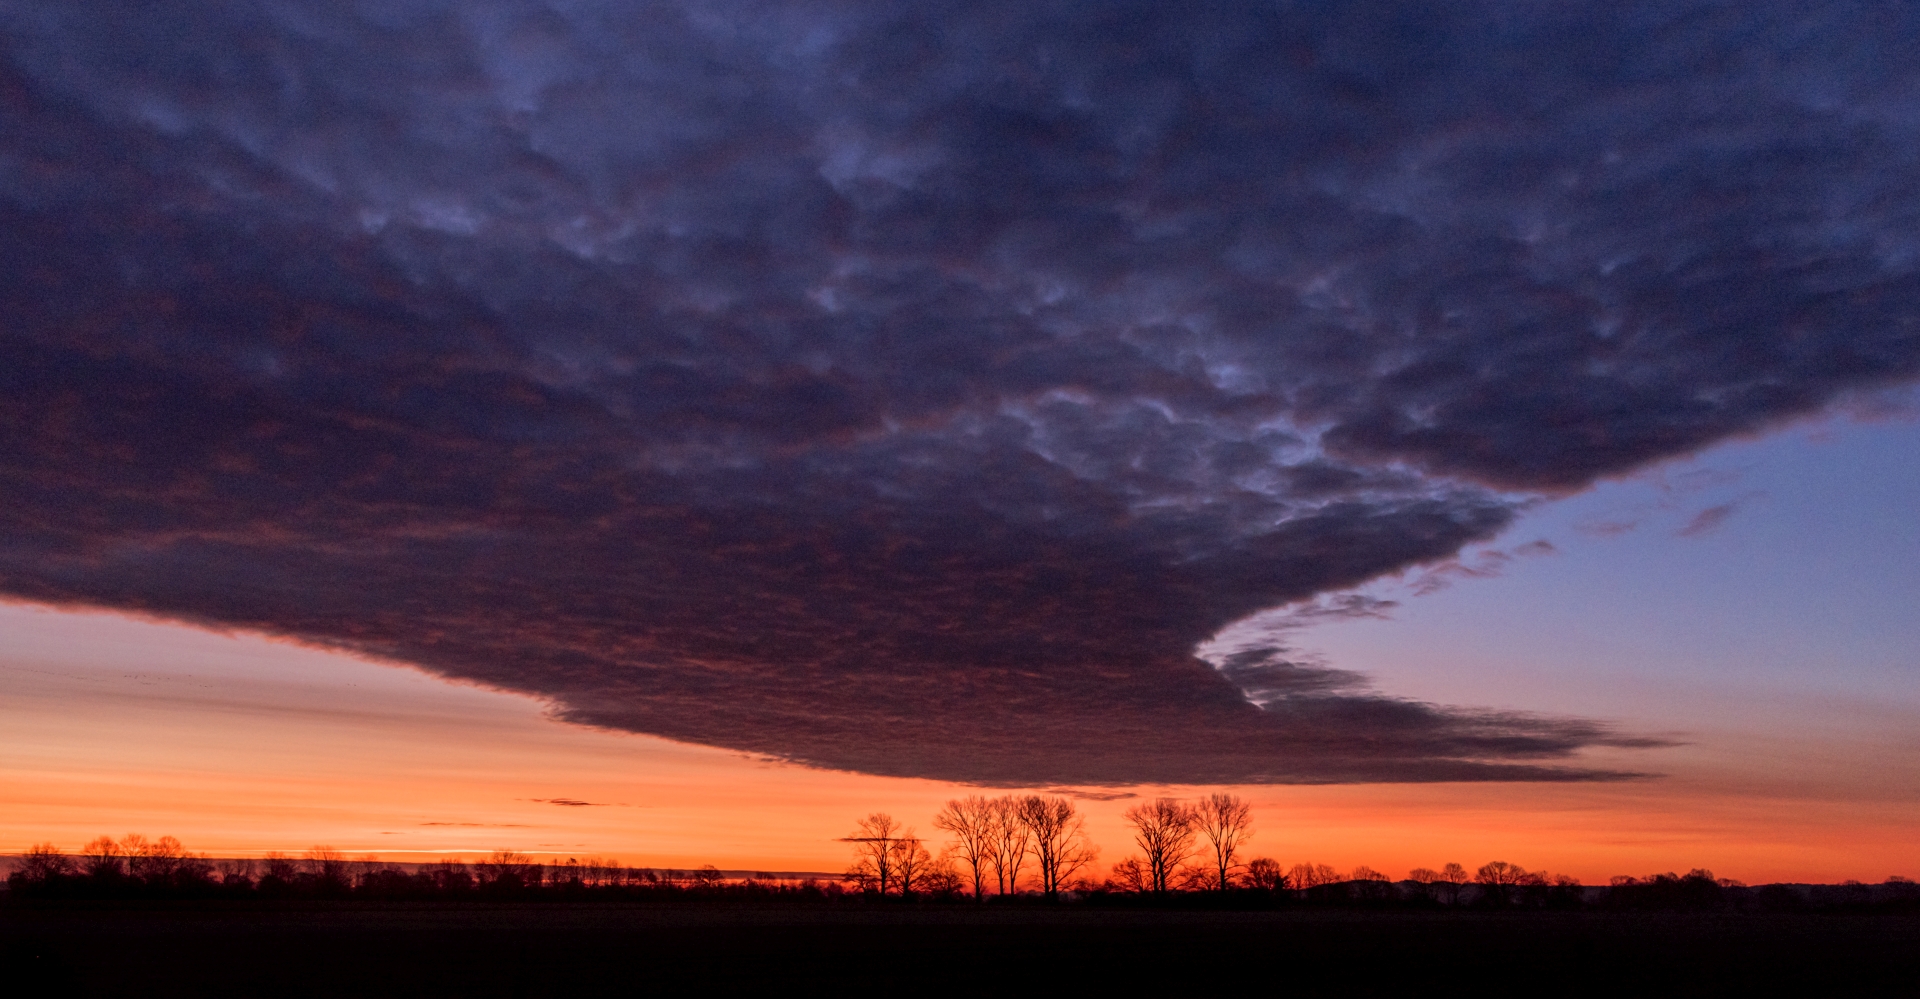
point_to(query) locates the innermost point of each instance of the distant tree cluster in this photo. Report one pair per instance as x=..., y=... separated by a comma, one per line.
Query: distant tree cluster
x=1007, y=849
x=1010, y=845
x=1037, y=841
x=136, y=867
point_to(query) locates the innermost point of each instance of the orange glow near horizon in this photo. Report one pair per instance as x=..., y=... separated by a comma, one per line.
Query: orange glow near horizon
x=239, y=745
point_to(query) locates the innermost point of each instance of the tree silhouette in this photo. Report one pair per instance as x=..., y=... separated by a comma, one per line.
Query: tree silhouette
x=236, y=872
x=972, y=822
x=1060, y=845
x=708, y=877
x=102, y=858
x=44, y=863
x=912, y=864
x=1309, y=875
x=1132, y=876
x=1012, y=843
x=506, y=871
x=873, y=842
x=1226, y=822
x=1500, y=873
x=154, y=862
x=1266, y=874
x=1163, y=829
x=327, y=868
x=1498, y=879
x=1454, y=877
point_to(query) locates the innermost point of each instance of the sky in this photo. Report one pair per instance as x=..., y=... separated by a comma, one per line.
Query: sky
x=1492, y=422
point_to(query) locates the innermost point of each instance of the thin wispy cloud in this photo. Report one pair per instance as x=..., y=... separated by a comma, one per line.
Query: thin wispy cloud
x=912, y=389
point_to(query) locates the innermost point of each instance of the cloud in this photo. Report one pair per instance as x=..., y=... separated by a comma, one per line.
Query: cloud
x=1710, y=519
x=570, y=802
x=912, y=389
x=1707, y=521
x=1092, y=795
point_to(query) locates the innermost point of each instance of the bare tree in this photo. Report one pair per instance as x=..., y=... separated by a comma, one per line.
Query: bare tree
x=1497, y=879
x=1312, y=875
x=133, y=848
x=1164, y=830
x=43, y=863
x=1060, y=844
x=506, y=869
x=1225, y=821
x=278, y=866
x=873, y=853
x=942, y=878
x=237, y=871
x=155, y=861
x=971, y=821
x=449, y=875
x=1265, y=872
x=1365, y=873
x=329, y=866
x=1453, y=876
x=1012, y=842
x=1131, y=875
x=101, y=858
x=911, y=863
x=1500, y=873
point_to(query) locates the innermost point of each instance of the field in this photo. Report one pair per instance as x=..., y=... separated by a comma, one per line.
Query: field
x=356, y=949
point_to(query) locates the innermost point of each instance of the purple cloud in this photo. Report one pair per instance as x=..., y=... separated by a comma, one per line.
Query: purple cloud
x=1708, y=520
x=912, y=389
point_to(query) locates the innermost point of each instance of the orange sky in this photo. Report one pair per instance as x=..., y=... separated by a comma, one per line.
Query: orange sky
x=239, y=745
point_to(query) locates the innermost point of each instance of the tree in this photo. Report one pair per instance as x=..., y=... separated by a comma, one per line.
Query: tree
x=279, y=867
x=449, y=875
x=44, y=863
x=1453, y=876
x=1012, y=842
x=1164, y=829
x=1226, y=822
x=1131, y=875
x=873, y=853
x=942, y=878
x=236, y=872
x=912, y=864
x=1312, y=875
x=1499, y=873
x=101, y=858
x=154, y=862
x=1265, y=873
x=329, y=867
x=971, y=821
x=1060, y=844
x=1497, y=879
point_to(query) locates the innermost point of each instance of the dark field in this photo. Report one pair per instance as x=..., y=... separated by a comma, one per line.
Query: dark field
x=354, y=949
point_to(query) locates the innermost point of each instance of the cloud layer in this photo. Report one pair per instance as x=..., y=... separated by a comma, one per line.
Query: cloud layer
x=911, y=389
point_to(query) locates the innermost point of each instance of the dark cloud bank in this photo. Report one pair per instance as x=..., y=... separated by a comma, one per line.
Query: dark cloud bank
x=911, y=388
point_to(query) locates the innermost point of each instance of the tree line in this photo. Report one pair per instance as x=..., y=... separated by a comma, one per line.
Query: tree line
x=134, y=866
x=1015, y=844
x=1192, y=851
x=1004, y=849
